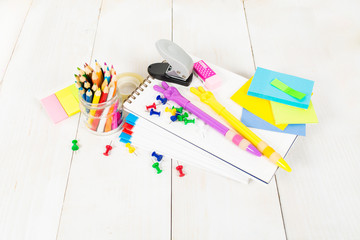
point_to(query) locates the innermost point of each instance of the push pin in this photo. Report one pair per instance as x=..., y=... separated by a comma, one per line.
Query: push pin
x=157, y=156
x=152, y=112
x=75, y=147
x=156, y=166
x=172, y=111
x=185, y=115
x=180, y=118
x=186, y=121
x=151, y=106
x=131, y=148
x=180, y=169
x=108, y=148
x=162, y=100
x=174, y=118
x=179, y=110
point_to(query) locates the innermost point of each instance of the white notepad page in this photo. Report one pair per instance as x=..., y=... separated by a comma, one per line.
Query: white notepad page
x=211, y=141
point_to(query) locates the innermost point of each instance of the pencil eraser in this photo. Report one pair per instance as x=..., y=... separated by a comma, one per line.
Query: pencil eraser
x=53, y=108
x=211, y=80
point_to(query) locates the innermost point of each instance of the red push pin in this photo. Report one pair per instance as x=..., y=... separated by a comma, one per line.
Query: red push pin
x=108, y=148
x=180, y=169
x=151, y=106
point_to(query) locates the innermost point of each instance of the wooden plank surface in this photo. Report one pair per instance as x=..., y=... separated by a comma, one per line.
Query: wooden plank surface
x=206, y=206
x=120, y=196
x=318, y=40
x=35, y=153
x=12, y=16
x=49, y=193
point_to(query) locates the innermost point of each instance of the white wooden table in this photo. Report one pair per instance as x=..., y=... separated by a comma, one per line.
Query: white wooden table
x=48, y=192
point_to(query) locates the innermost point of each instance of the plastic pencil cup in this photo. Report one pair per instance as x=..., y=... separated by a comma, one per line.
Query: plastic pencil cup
x=102, y=118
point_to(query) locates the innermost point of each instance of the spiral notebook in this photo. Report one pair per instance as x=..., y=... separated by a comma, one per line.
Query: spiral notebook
x=222, y=153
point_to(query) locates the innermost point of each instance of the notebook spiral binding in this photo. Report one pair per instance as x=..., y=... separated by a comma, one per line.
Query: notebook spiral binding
x=139, y=89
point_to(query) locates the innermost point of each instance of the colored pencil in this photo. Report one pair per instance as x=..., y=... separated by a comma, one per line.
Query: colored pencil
x=89, y=96
x=99, y=112
x=87, y=85
x=95, y=100
x=82, y=93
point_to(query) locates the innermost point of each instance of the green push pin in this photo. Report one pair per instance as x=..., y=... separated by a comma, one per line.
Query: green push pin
x=180, y=118
x=156, y=166
x=75, y=147
x=179, y=110
x=186, y=121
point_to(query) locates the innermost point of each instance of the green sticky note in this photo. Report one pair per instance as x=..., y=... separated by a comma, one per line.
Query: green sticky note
x=292, y=115
x=286, y=89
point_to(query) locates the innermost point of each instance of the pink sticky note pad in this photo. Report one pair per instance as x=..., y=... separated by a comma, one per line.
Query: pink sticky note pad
x=54, y=108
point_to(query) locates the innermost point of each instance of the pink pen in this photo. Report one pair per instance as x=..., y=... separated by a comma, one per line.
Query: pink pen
x=211, y=80
x=172, y=94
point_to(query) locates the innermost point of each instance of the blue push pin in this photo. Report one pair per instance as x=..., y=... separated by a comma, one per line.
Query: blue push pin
x=174, y=118
x=152, y=112
x=157, y=156
x=162, y=100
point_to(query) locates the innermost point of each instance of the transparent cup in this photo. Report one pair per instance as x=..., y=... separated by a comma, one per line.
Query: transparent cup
x=103, y=118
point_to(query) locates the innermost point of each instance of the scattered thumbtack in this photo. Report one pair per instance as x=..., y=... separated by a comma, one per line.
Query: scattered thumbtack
x=75, y=147
x=180, y=169
x=151, y=106
x=172, y=111
x=131, y=148
x=156, y=166
x=186, y=121
x=108, y=148
x=153, y=112
x=157, y=156
x=174, y=118
x=179, y=110
x=162, y=100
x=185, y=115
x=180, y=118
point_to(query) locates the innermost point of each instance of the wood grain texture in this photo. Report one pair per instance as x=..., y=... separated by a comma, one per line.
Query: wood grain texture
x=318, y=40
x=35, y=153
x=120, y=196
x=207, y=206
x=12, y=17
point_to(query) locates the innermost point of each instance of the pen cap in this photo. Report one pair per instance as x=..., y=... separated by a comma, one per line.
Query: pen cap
x=181, y=63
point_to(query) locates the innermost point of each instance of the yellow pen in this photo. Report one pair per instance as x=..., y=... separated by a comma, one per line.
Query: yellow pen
x=208, y=98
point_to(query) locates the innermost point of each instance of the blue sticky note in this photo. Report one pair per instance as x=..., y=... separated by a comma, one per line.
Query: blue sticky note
x=131, y=119
x=125, y=136
x=251, y=120
x=124, y=140
x=260, y=87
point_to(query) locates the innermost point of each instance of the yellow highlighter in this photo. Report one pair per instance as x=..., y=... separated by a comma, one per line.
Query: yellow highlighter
x=208, y=98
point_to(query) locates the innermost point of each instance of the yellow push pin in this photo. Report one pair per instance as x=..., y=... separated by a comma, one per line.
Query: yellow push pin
x=131, y=148
x=172, y=111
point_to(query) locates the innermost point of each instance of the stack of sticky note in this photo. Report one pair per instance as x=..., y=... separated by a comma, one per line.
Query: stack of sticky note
x=276, y=102
x=62, y=104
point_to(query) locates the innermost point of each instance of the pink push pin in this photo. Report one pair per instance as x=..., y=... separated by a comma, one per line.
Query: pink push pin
x=180, y=169
x=108, y=148
x=151, y=106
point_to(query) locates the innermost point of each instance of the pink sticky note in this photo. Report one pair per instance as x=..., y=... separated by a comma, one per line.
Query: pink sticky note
x=54, y=108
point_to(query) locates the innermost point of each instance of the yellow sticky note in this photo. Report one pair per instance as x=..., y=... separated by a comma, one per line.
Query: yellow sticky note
x=68, y=100
x=258, y=106
x=293, y=115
